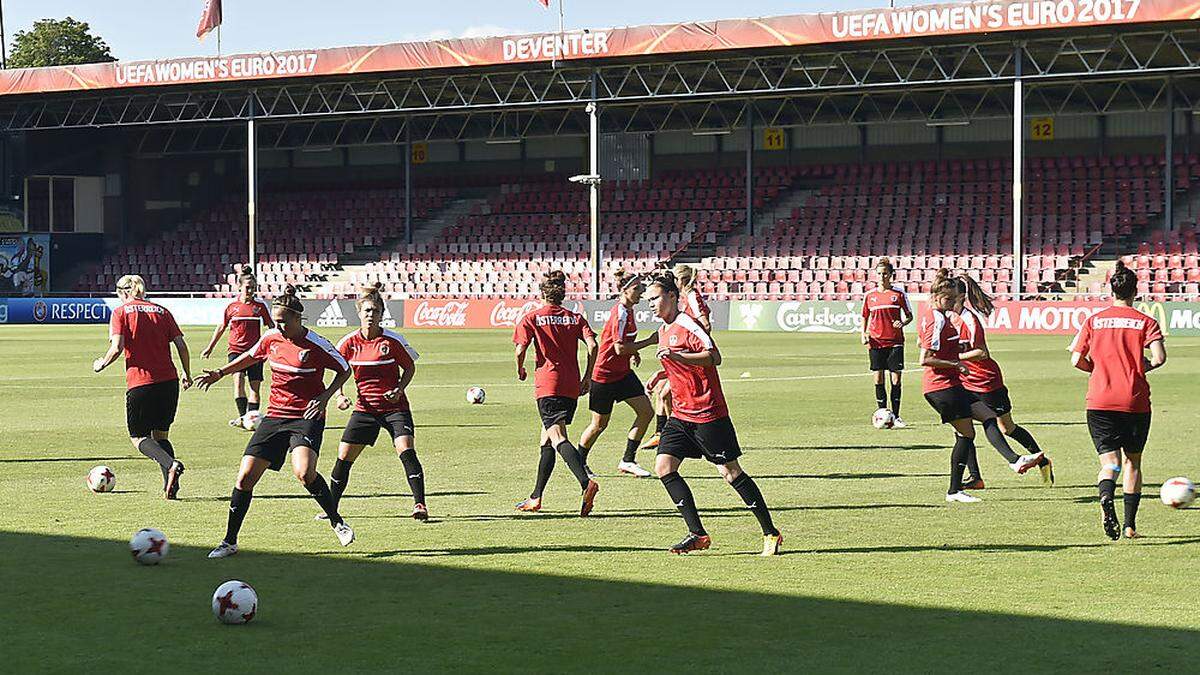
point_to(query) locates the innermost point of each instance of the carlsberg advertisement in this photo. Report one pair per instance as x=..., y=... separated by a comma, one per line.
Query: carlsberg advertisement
x=816, y=316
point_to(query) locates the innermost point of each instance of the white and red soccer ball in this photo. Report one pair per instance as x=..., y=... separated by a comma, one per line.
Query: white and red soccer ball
x=883, y=419
x=234, y=602
x=251, y=420
x=476, y=395
x=149, y=546
x=1177, y=492
x=101, y=479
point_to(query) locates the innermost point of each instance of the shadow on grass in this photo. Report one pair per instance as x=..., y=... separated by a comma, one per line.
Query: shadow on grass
x=832, y=476
x=718, y=512
x=386, y=611
x=31, y=460
x=372, y=495
x=831, y=448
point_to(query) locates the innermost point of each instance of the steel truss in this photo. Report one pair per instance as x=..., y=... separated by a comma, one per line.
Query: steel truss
x=901, y=80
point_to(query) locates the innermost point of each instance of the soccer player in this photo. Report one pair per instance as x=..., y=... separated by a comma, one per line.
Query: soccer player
x=885, y=314
x=942, y=386
x=144, y=331
x=699, y=425
x=985, y=380
x=244, y=318
x=613, y=378
x=1111, y=347
x=555, y=333
x=383, y=365
x=295, y=417
x=692, y=304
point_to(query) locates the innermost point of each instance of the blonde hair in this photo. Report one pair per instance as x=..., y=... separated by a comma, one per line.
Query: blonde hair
x=370, y=293
x=132, y=284
x=685, y=275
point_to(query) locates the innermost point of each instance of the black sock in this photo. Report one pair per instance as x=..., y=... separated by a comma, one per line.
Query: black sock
x=241, y=402
x=963, y=448
x=1107, y=487
x=681, y=494
x=880, y=396
x=319, y=489
x=631, y=446
x=991, y=428
x=251, y=405
x=166, y=445
x=1132, y=500
x=415, y=474
x=973, y=464
x=239, y=504
x=545, y=468
x=571, y=456
x=339, y=477
x=153, y=449
x=583, y=451
x=748, y=490
x=660, y=421
x=1022, y=436
x=896, y=390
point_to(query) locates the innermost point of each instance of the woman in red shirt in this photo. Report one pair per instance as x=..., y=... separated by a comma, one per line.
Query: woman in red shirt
x=885, y=313
x=245, y=318
x=384, y=364
x=613, y=378
x=700, y=425
x=985, y=380
x=692, y=304
x=555, y=333
x=1111, y=347
x=295, y=418
x=144, y=332
x=944, y=391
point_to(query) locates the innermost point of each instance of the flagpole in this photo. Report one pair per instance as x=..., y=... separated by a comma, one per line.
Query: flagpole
x=554, y=56
x=218, y=41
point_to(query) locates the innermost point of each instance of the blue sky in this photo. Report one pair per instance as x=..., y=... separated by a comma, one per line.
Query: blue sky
x=150, y=29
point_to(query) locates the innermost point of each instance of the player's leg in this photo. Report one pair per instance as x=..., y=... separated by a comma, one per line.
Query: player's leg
x=1021, y=435
x=1106, y=485
x=644, y=413
x=304, y=468
x=406, y=450
x=880, y=388
x=254, y=378
x=666, y=467
x=748, y=490
x=991, y=428
x=171, y=482
x=239, y=398
x=964, y=447
x=557, y=434
x=546, y=460
x=662, y=412
x=592, y=433
x=339, y=475
x=147, y=408
x=896, y=373
x=1132, y=492
x=249, y=473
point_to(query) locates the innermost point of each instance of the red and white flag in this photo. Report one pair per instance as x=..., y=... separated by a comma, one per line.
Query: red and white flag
x=545, y=3
x=211, y=18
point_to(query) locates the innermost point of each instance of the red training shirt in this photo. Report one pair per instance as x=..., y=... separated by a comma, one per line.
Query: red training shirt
x=693, y=304
x=621, y=328
x=148, y=329
x=245, y=321
x=377, y=364
x=297, y=370
x=983, y=375
x=939, y=336
x=1115, y=339
x=695, y=390
x=555, y=332
x=880, y=309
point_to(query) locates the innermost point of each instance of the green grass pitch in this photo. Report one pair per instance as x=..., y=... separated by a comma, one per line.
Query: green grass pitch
x=879, y=573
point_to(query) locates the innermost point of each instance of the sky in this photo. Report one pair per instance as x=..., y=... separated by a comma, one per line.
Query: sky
x=155, y=29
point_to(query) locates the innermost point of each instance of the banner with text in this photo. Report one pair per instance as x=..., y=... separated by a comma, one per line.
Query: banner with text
x=809, y=316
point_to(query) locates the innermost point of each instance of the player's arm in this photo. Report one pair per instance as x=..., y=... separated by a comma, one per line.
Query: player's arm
x=652, y=383
x=316, y=407
x=703, y=358
x=212, y=343
x=407, y=371
x=1082, y=362
x=705, y=322
x=634, y=346
x=522, y=347
x=975, y=354
x=211, y=377
x=116, y=344
x=906, y=314
x=1158, y=355
x=585, y=383
x=185, y=361
x=928, y=360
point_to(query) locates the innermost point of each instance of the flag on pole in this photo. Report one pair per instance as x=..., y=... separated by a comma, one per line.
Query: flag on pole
x=545, y=3
x=211, y=18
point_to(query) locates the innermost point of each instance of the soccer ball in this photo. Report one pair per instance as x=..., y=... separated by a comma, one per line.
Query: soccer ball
x=149, y=546
x=101, y=479
x=234, y=602
x=251, y=420
x=1177, y=492
x=476, y=395
x=883, y=419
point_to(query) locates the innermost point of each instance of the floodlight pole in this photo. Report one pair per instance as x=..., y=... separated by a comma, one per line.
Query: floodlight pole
x=1018, y=276
x=252, y=187
x=1169, y=172
x=750, y=168
x=594, y=190
x=408, y=228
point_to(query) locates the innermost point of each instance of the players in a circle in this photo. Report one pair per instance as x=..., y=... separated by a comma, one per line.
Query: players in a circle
x=1111, y=347
x=613, y=378
x=555, y=333
x=295, y=419
x=943, y=389
x=244, y=318
x=885, y=313
x=384, y=364
x=144, y=331
x=699, y=425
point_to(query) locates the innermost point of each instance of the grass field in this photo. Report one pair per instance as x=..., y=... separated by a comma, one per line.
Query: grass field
x=879, y=572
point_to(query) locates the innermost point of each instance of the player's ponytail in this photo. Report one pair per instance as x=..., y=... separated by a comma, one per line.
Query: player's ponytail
x=132, y=284
x=370, y=293
x=1123, y=282
x=289, y=301
x=685, y=277
x=980, y=301
x=943, y=284
x=554, y=287
x=246, y=275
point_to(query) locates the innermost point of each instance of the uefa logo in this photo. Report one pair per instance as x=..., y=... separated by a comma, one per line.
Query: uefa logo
x=39, y=311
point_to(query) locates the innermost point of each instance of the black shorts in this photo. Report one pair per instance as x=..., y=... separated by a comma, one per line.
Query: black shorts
x=957, y=403
x=276, y=437
x=363, y=427
x=1112, y=431
x=555, y=409
x=603, y=395
x=997, y=400
x=887, y=358
x=151, y=407
x=715, y=441
x=254, y=373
